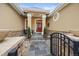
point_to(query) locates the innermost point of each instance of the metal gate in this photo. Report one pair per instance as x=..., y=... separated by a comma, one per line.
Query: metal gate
x=62, y=45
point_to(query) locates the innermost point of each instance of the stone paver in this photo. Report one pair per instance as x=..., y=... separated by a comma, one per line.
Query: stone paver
x=38, y=46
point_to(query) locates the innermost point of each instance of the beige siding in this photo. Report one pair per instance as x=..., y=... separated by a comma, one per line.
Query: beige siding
x=69, y=19
x=10, y=19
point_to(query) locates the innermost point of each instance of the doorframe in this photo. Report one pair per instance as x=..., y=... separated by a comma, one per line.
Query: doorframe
x=36, y=26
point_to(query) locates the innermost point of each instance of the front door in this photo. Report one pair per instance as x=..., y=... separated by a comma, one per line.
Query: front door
x=39, y=25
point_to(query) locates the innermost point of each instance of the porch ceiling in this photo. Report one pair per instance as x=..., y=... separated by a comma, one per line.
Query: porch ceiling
x=36, y=12
x=36, y=15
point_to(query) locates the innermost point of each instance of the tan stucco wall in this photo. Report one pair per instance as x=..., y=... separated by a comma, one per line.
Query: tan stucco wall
x=10, y=19
x=69, y=19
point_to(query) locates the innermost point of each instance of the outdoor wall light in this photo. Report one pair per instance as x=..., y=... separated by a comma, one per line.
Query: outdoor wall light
x=56, y=16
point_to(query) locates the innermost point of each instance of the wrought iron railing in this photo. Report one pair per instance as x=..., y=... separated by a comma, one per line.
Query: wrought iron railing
x=62, y=45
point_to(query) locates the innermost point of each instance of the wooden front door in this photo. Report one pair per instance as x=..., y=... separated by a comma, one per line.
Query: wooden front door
x=39, y=25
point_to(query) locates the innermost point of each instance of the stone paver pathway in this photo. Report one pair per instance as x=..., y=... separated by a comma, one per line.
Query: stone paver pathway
x=38, y=46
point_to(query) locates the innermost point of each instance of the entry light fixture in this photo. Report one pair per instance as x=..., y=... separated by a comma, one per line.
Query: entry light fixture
x=56, y=16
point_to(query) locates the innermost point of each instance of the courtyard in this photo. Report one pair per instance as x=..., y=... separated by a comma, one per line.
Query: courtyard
x=39, y=29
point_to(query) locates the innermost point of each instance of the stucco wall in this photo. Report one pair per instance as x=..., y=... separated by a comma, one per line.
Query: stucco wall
x=10, y=19
x=69, y=19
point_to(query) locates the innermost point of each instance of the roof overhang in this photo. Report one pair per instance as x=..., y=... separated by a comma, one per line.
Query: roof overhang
x=36, y=12
x=49, y=14
x=31, y=10
x=15, y=6
x=61, y=6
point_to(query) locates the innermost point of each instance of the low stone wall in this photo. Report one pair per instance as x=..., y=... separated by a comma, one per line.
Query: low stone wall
x=4, y=34
x=75, y=33
x=52, y=31
x=15, y=33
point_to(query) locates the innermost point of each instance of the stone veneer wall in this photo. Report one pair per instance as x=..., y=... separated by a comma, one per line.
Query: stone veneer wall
x=11, y=33
x=15, y=33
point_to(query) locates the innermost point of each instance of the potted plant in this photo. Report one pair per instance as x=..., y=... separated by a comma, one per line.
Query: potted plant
x=45, y=32
x=29, y=32
x=25, y=32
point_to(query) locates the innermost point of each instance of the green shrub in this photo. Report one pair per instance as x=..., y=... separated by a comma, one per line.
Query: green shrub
x=29, y=32
x=45, y=33
x=45, y=30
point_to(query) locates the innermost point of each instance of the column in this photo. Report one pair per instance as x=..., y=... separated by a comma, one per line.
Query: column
x=43, y=22
x=35, y=25
x=29, y=19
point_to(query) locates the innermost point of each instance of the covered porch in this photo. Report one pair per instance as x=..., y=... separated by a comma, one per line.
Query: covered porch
x=36, y=20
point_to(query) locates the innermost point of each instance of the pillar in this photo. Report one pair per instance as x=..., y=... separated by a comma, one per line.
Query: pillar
x=29, y=20
x=43, y=22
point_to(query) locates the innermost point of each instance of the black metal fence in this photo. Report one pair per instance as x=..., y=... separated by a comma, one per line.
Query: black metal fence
x=62, y=45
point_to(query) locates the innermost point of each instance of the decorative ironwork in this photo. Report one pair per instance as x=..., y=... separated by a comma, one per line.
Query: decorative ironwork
x=62, y=45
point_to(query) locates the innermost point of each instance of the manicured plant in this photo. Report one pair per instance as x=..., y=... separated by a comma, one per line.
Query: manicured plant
x=29, y=32
x=45, y=32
